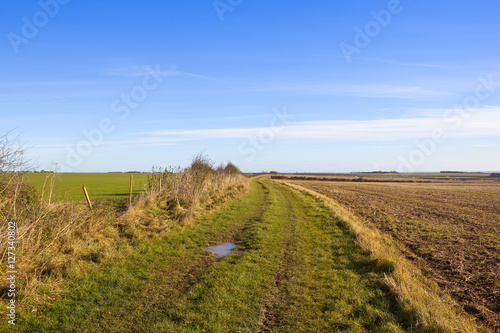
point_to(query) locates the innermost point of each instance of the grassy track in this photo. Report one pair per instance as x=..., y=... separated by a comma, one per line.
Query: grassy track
x=452, y=228
x=298, y=269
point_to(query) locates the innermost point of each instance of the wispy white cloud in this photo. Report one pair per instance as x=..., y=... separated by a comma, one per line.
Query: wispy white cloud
x=146, y=70
x=52, y=84
x=33, y=96
x=151, y=141
x=481, y=123
x=483, y=146
x=360, y=90
x=207, y=119
x=407, y=63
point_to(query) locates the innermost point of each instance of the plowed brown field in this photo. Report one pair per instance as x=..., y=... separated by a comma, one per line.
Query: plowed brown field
x=451, y=230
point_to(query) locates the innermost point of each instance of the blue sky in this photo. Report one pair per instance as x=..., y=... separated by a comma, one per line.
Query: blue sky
x=324, y=86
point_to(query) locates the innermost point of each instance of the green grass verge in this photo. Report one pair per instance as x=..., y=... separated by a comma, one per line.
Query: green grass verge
x=298, y=269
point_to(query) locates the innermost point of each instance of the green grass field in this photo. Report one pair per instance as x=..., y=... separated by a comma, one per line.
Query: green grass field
x=68, y=186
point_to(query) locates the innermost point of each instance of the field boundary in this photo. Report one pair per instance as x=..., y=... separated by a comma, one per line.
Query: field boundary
x=433, y=308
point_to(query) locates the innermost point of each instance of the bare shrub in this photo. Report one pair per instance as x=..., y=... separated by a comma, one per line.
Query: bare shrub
x=231, y=169
x=11, y=155
x=196, y=187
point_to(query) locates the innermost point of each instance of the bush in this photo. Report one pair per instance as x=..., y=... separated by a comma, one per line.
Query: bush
x=196, y=187
x=232, y=169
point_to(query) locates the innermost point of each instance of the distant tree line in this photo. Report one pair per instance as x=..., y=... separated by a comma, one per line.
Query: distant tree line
x=359, y=179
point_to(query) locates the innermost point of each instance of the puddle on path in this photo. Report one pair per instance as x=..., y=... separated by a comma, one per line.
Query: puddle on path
x=221, y=250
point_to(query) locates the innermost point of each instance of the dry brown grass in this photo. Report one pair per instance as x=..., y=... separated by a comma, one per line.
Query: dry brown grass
x=433, y=309
x=43, y=233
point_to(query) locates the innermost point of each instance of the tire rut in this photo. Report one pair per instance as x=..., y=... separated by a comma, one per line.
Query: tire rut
x=272, y=317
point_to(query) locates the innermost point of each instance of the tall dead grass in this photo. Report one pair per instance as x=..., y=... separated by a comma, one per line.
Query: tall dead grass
x=50, y=238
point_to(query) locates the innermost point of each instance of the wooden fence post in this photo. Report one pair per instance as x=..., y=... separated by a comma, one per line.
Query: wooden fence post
x=130, y=192
x=87, y=197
